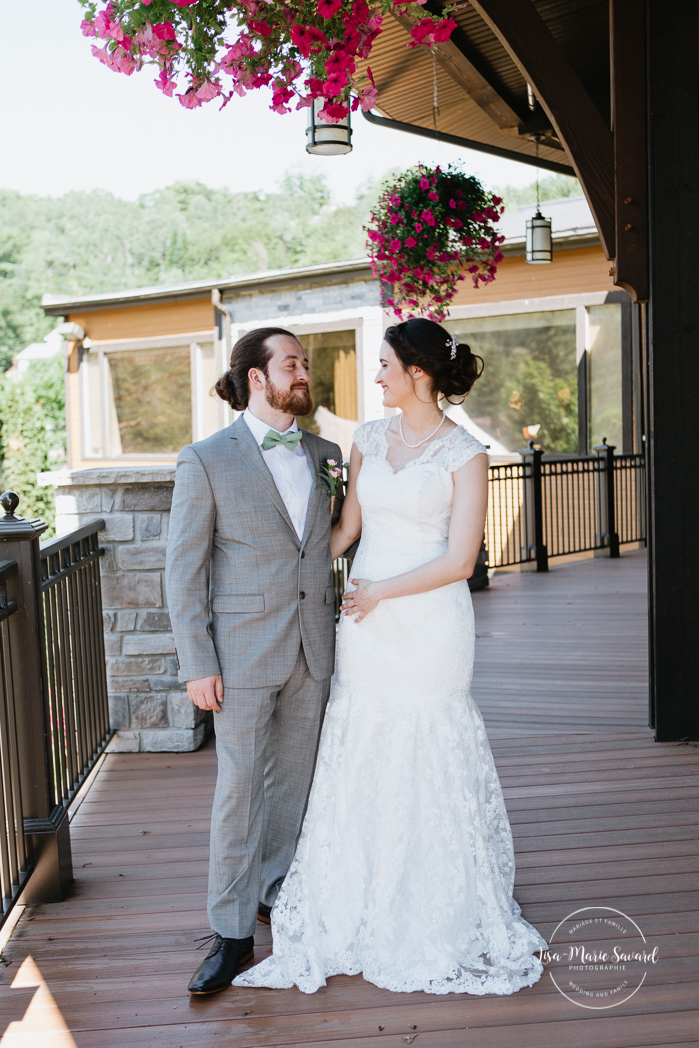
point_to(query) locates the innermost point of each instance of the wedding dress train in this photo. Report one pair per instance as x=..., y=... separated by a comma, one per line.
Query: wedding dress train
x=405, y=866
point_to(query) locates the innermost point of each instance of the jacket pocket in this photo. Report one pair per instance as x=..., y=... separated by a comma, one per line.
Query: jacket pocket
x=329, y=594
x=236, y=602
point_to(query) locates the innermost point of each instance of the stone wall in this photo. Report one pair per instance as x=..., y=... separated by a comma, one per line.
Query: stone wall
x=147, y=704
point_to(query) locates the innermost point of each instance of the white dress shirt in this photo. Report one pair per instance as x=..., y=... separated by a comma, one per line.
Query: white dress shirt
x=290, y=470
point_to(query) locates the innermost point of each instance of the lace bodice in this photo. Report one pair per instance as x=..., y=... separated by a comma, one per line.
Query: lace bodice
x=406, y=513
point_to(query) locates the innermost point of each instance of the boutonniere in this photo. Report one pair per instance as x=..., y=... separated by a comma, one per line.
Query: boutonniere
x=330, y=480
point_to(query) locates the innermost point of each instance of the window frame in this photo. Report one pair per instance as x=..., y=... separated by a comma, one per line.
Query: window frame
x=192, y=339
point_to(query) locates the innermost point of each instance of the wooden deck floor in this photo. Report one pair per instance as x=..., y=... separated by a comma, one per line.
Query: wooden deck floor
x=600, y=813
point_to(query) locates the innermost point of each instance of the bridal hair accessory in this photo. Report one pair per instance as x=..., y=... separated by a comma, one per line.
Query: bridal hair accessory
x=420, y=442
x=330, y=474
x=453, y=345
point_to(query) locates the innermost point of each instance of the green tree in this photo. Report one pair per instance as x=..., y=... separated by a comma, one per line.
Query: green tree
x=552, y=187
x=25, y=448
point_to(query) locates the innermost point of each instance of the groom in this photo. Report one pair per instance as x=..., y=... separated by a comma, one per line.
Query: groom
x=252, y=606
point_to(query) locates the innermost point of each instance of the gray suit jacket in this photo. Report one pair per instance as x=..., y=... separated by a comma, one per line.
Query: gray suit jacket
x=243, y=590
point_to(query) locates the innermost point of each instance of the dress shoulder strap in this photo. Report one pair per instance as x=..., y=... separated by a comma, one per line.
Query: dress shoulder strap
x=369, y=437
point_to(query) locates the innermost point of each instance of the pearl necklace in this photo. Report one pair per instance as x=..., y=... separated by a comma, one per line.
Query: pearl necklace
x=420, y=442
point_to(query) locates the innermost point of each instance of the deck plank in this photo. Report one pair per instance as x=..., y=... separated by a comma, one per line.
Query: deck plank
x=601, y=815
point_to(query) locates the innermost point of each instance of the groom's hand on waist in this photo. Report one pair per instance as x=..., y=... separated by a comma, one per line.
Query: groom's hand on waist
x=207, y=692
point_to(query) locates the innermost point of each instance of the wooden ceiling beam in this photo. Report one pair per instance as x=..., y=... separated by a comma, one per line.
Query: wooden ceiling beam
x=453, y=56
x=578, y=123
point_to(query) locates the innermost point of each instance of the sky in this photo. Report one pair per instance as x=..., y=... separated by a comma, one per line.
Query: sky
x=69, y=123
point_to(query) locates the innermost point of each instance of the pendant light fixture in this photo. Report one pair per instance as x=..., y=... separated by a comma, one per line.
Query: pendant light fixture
x=324, y=139
x=539, y=243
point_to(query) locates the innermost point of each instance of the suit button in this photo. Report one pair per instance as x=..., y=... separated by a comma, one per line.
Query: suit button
x=303, y=555
x=301, y=595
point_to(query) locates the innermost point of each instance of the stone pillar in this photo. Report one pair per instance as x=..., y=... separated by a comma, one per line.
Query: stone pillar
x=147, y=704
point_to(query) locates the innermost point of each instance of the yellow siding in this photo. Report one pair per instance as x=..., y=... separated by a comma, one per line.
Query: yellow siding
x=572, y=271
x=149, y=321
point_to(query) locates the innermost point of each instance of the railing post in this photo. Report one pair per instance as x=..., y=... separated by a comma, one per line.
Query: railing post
x=534, y=506
x=606, y=499
x=45, y=823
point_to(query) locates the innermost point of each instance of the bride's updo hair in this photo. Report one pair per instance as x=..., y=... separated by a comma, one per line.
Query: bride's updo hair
x=422, y=343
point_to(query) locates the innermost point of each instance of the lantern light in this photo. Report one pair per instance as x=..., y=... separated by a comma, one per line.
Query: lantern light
x=539, y=242
x=325, y=139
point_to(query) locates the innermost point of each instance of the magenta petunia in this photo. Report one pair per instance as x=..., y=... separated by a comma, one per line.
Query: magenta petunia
x=328, y=8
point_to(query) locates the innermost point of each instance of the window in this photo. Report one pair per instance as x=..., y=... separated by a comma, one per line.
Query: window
x=604, y=374
x=333, y=361
x=529, y=379
x=148, y=401
x=150, y=394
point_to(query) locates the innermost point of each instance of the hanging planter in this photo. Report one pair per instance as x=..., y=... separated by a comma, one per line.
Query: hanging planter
x=430, y=230
x=213, y=49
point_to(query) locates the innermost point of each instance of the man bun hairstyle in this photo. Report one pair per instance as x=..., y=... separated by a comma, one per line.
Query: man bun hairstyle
x=451, y=365
x=250, y=351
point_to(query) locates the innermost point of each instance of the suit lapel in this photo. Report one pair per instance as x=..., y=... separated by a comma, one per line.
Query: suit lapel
x=308, y=443
x=250, y=451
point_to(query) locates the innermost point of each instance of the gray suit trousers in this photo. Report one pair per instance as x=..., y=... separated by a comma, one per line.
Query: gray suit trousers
x=266, y=741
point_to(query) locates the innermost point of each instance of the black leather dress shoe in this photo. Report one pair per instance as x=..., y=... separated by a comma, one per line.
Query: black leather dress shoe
x=264, y=913
x=221, y=965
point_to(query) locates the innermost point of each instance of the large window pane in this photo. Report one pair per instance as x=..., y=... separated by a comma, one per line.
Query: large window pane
x=152, y=402
x=529, y=380
x=604, y=362
x=333, y=361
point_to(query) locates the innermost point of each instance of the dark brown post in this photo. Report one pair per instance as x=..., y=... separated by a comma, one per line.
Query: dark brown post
x=45, y=823
x=534, y=505
x=606, y=499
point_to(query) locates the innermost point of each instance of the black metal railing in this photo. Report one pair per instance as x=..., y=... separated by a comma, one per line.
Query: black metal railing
x=76, y=696
x=555, y=505
x=13, y=851
x=54, y=719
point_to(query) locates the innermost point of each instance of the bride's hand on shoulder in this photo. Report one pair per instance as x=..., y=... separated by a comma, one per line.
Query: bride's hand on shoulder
x=360, y=601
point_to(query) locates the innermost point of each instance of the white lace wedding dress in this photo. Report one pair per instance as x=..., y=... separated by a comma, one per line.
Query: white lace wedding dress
x=405, y=867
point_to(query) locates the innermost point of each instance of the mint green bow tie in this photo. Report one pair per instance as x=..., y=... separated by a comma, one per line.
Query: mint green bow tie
x=289, y=440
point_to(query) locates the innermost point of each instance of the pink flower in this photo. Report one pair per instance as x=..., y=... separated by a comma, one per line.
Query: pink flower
x=334, y=84
x=333, y=114
x=261, y=28
x=208, y=90
x=164, y=84
x=124, y=62
x=189, y=99
x=328, y=8
x=338, y=61
x=368, y=98
x=394, y=245
x=308, y=39
x=410, y=241
x=183, y=3
x=418, y=227
x=424, y=183
x=443, y=30
x=88, y=28
x=432, y=195
x=395, y=200
x=430, y=253
x=394, y=219
x=280, y=96
x=331, y=462
x=164, y=31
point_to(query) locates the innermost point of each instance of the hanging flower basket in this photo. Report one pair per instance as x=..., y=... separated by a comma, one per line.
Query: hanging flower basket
x=207, y=49
x=430, y=230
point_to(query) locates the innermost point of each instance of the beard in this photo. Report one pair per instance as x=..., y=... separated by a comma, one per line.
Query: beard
x=291, y=401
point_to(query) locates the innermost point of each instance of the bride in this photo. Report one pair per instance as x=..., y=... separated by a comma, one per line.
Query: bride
x=405, y=867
